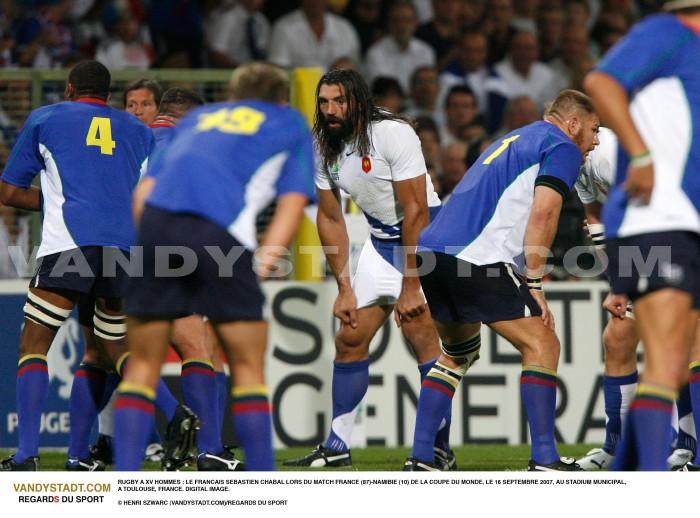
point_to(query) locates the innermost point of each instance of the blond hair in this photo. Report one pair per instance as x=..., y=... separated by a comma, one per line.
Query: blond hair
x=259, y=81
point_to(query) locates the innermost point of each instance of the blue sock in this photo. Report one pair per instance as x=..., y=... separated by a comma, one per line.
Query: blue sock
x=442, y=437
x=618, y=392
x=133, y=420
x=253, y=422
x=645, y=435
x=85, y=398
x=350, y=382
x=111, y=384
x=538, y=391
x=32, y=390
x=435, y=400
x=165, y=401
x=694, y=391
x=222, y=390
x=200, y=394
x=685, y=416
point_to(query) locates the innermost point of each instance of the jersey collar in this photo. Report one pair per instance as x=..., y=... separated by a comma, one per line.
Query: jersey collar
x=92, y=100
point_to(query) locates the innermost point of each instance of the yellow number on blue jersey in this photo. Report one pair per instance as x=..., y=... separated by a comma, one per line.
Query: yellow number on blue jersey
x=242, y=121
x=100, y=134
x=500, y=149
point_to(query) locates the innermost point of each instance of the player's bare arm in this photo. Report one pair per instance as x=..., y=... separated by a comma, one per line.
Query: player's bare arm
x=334, y=235
x=13, y=196
x=411, y=197
x=612, y=106
x=539, y=235
x=282, y=229
x=143, y=189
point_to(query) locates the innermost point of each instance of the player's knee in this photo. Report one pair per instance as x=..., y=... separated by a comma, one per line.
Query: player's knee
x=109, y=327
x=464, y=353
x=543, y=347
x=350, y=340
x=619, y=342
x=44, y=313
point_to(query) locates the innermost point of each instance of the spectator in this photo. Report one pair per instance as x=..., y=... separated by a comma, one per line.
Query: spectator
x=239, y=34
x=470, y=69
x=524, y=75
x=141, y=99
x=429, y=137
x=343, y=63
x=550, y=29
x=454, y=165
x=608, y=30
x=472, y=13
x=14, y=243
x=574, y=52
x=520, y=112
x=424, y=92
x=127, y=46
x=525, y=15
x=43, y=38
x=578, y=14
x=312, y=37
x=442, y=31
x=499, y=18
x=176, y=32
x=398, y=54
x=365, y=16
x=460, y=111
x=387, y=94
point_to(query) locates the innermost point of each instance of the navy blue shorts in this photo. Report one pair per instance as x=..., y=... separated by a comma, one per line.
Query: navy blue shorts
x=86, y=270
x=458, y=291
x=639, y=265
x=200, y=287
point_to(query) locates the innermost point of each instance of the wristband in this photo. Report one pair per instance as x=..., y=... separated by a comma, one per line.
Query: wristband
x=641, y=160
x=534, y=283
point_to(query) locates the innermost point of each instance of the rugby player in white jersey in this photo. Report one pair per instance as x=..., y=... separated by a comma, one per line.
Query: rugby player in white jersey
x=375, y=157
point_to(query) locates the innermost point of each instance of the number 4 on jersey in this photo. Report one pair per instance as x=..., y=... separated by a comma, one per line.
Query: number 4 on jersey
x=100, y=135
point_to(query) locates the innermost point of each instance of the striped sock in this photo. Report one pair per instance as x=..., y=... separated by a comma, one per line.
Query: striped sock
x=694, y=387
x=133, y=420
x=165, y=401
x=442, y=437
x=222, y=391
x=538, y=391
x=686, y=425
x=253, y=423
x=199, y=392
x=618, y=392
x=435, y=400
x=350, y=382
x=85, y=398
x=32, y=390
x=645, y=437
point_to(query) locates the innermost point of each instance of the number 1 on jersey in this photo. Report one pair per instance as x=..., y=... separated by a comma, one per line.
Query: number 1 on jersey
x=100, y=134
x=500, y=149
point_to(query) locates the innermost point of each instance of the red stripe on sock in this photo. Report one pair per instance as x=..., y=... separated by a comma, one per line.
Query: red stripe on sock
x=437, y=386
x=251, y=406
x=531, y=380
x=33, y=367
x=84, y=373
x=124, y=403
x=694, y=377
x=187, y=371
x=651, y=404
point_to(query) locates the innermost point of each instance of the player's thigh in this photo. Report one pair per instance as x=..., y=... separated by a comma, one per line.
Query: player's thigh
x=369, y=320
x=422, y=336
x=189, y=337
x=456, y=332
x=378, y=279
x=621, y=336
x=45, y=311
x=537, y=343
x=244, y=343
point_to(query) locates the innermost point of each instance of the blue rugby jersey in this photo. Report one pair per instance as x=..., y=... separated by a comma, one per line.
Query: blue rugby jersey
x=658, y=64
x=484, y=220
x=228, y=161
x=90, y=157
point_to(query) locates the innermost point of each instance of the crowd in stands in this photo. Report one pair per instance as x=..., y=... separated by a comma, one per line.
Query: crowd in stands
x=469, y=71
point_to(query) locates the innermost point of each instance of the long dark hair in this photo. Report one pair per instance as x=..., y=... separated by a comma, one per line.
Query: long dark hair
x=361, y=113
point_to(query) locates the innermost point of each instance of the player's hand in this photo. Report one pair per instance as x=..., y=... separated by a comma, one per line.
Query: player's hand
x=345, y=307
x=640, y=183
x=616, y=305
x=547, y=316
x=411, y=304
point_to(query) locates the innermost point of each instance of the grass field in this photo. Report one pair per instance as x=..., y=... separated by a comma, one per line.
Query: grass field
x=469, y=458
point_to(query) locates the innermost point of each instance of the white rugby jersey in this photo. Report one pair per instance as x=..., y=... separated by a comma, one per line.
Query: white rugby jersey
x=395, y=155
x=598, y=171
